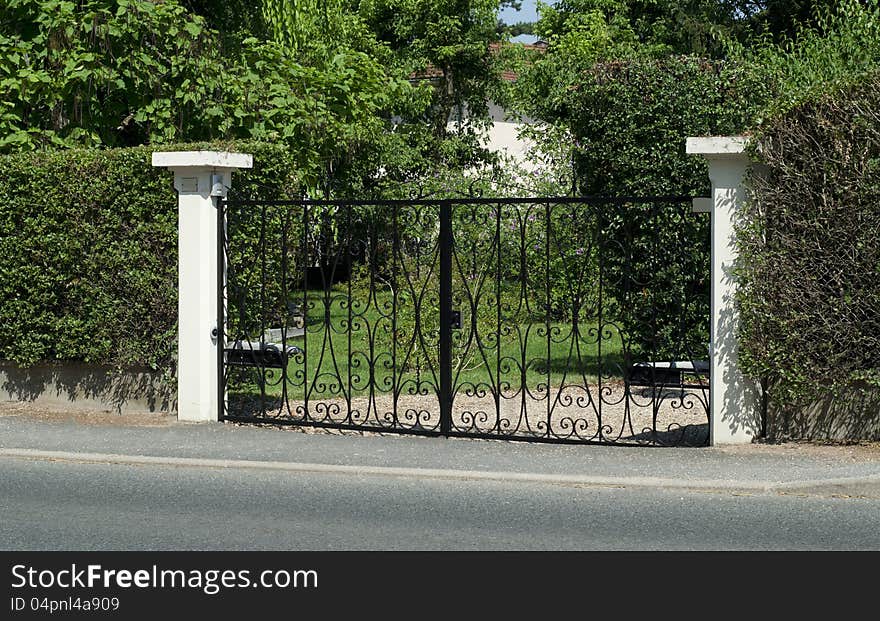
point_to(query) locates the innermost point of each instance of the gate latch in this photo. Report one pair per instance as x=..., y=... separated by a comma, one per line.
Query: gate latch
x=455, y=320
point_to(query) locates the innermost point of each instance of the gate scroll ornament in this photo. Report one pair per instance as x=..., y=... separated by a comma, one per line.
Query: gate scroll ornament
x=544, y=319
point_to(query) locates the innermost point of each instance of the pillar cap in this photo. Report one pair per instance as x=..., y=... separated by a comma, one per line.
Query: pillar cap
x=211, y=160
x=717, y=146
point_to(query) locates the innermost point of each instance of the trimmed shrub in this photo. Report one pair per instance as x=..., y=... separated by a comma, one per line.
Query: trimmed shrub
x=629, y=121
x=88, y=252
x=810, y=295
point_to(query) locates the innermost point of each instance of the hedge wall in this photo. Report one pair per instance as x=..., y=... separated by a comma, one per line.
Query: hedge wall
x=88, y=252
x=810, y=298
x=630, y=120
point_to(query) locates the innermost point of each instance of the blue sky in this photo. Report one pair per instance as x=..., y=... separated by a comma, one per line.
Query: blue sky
x=528, y=13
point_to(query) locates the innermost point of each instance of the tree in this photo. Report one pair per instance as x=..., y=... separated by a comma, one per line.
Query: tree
x=309, y=28
x=656, y=27
x=103, y=73
x=441, y=48
x=446, y=40
x=127, y=72
x=513, y=30
x=234, y=20
x=781, y=19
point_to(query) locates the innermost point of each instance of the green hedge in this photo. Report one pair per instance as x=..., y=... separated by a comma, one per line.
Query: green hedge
x=810, y=298
x=629, y=121
x=88, y=252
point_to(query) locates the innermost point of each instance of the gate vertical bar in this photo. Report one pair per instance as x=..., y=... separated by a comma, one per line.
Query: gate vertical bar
x=445, y=357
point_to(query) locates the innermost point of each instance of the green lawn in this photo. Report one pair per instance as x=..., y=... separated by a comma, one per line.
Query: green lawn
x=343, y=347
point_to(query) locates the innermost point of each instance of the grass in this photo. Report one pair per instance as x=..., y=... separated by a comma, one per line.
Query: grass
x=342, y=347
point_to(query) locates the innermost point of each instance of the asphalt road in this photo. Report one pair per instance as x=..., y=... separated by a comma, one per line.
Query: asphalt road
x=65, y=505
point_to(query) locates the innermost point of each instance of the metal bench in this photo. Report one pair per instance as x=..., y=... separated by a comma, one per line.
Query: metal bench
x=259, y=354
x=680, y=374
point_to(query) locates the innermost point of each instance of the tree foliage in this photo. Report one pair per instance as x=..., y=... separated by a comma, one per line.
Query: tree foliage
x=643, y=27
x=310, y=28
x=128, y=72
x=234, y=20
x=332, y=80
x=513, y=30
x=838, y=46
x=101, y=73
x=446, y=42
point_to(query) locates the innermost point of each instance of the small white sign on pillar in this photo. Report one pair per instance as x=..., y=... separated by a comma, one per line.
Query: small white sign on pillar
x=734, y=416
x=199, y=176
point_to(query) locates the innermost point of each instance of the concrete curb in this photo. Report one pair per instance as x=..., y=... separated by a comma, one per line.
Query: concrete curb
x=868, y=486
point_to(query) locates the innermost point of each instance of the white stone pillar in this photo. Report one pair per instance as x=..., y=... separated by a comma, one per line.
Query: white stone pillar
x=199, y=176
x=734, y=412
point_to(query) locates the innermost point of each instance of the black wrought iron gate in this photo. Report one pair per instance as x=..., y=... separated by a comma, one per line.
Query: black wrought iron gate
x=545, y=319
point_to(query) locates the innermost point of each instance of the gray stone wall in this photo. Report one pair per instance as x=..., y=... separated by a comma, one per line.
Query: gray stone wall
x=81, y=386
x=853, y=414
